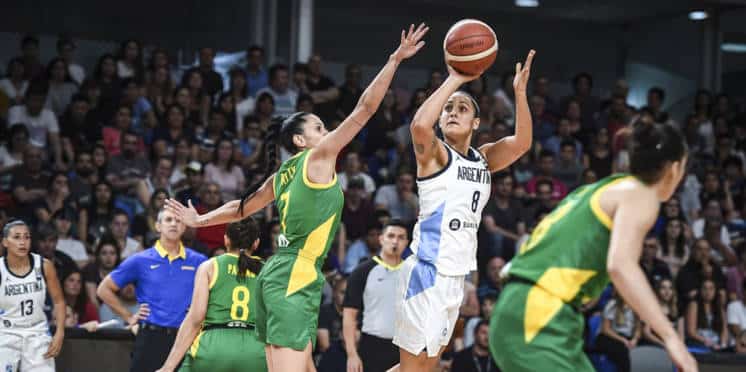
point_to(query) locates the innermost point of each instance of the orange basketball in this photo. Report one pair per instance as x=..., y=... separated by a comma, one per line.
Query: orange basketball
x=470, y=46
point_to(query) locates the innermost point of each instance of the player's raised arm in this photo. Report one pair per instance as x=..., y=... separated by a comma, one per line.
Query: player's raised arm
x=507, y=150
x=370, y=100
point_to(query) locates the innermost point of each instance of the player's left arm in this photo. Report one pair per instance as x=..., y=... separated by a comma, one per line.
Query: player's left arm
x=507, y=150
x=55, y=292
x=192, y=323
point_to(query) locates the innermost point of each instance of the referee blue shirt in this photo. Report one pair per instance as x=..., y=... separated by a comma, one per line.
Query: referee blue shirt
x=163, y=282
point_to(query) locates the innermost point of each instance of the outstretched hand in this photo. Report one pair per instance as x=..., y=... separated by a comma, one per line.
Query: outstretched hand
x=188, y=214
x=411, y=41
x=520, y=81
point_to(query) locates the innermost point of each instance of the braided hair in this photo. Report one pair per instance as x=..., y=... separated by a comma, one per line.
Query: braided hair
x=242, y=235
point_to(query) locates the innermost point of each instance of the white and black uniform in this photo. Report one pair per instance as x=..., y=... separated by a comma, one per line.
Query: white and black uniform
x=24, y=330
x=444, y=246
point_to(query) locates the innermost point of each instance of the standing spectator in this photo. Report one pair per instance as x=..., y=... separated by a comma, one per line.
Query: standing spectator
x=106, y=257
x=256, y=75
x=30, y=56
x=363, y=248
x=653, y=267
x=329, y=334
x=476, y=358
x=119, y=228
x=284, y=98
x=168, y=261
x=224, y=172
x=212, y=80
x=353, y=170
x=669, y=304
x=41, y=123
x=211, y=236
x=620, y=332
x=77, y=298
x=569, y=168
x=546, y=172
x=358, y=210
x=61, y=86
x=705, y=318
x=65, y=50
x=369, y=291
x=14, y=85
x=350, y=91
x=129, y=63
x=399, y=199
x=63, y=220
x=502, y=220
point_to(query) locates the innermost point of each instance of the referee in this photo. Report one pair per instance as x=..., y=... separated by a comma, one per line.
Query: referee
x=164, y=278
x=371, y=289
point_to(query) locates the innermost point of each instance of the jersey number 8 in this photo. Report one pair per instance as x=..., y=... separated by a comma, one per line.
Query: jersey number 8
x=240, y=297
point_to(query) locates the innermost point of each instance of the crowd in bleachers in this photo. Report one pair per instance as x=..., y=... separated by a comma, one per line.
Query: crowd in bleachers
x=89, y=155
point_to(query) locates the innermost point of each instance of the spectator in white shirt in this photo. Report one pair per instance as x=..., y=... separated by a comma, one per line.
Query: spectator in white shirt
x=279, y=87
x=352, y=170
x=40, y=122
x=65, y=50
x=66, y=243
x=61, y=86
x=119, y=227
x=14, y=85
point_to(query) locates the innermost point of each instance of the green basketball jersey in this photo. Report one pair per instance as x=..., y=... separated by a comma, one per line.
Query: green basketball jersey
x=309, y=217
x=566, y=253
x=230, y=299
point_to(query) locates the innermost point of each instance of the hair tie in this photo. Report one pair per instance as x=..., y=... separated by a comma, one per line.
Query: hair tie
x=659, y=145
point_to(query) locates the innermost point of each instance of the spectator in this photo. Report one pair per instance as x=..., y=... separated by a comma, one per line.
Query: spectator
x=653, y=267
x=194, y=179
x=106, y=257
x=705, y=319
x=143, y=115
x=620, y=332
x=399, y=199
x=128, y=299
x=65, y=50
x=129, y=61
x=589, y=176
x=45, y=240
x=15, y=84
x=76, y=297
x=144, y=226
x=167, y=136
x=598, y=157
x=322, y=89
x=329, y=334
x=63, y=220
x=199, y=102
x=545, y=125
x=168, y=261
x=736, y=276
x=239, y=90
x=350, y=91
x=476, y=358
x=251, y=143
x=352, y=170
x=216, y=128
x=93, y=220
x=656, y=97
x=119, y=229
x=568, y=169
x=485, y=308
x=674, y=247
x=182, y=155
x=112, y=135
x=224, y=172
x=41, y=123
x=502, y=220
x=213, y=80
x=30, y=181
x=737, y=316
x=505, y=99
x=128, y=168
x=363, y=248
x=491, y=283
x=78, y=127
x=669, y=304
x=30, y=56
x=616, y=116
x=588, y=103
x=722, y=253
x=56, y=197
x=564, y=133
x=358, y=210
x=256, y=76
x=691, y=275
x=61, y=86
x=227, y=105
x=545, y=171
x=283, y=97
x=369, y=291
x=11, y=154
x=159, y=179
x=191, y=107
x=210, y=199
x=107, y=80
x=160, y=85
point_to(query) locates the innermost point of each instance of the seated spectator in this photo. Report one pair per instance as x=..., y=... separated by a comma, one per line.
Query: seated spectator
x=599, y=157
x=399, y=199
x=76, y=297
x=160, y=82
x=362, y=248
x=674, y=247
x=227, y=106
x=210, y=199
x=65, y=50
x=93, y=219
x=63, y=220
x=193, y=109
x=217, y=128
x=225, y=172
x=545, y=171
x=106, y=257
x=239, y=90
x=125, y=170
x=705, y=319
x=696, y=269
x=669, y=304
x=321, y=88
x=159, y=178
x=330, y=342
x=181, y=157
x=654, y=268
x=78, y=126
x=29, y=182
x=166, y=136
x=128, y=300
x=106, y=80
x=129, y=60
x=476, y=358
x=589, y=176
x=357, y=213
x=720, y=237
x=120, y=123
x=194, y=178
x=350, y=91
x=57, y=197
x=61, y=86
x=45, y=240
x=143, y=225
x=251, y=144
x=119, y=229
x=11, y=153
x=14, y=84
x=353, y=170
x=284, y=98
x=569, y=168
x=564, y=133
x=620, y=332
x=491, y=284
x=737, y=316
x=264, y=110
x=485, y=308
x=736, y=275
x=503, y=218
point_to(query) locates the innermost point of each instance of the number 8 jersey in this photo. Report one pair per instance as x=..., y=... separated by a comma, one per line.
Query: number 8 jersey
x=451, y=204
x=22, y=297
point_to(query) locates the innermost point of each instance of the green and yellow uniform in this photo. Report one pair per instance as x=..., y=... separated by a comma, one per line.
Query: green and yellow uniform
x=536, y=324
x=227, y=341
x=289, y=292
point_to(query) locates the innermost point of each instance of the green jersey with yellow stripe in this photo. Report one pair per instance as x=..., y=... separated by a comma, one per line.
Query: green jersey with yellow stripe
x=566, y=253
x=230, y=299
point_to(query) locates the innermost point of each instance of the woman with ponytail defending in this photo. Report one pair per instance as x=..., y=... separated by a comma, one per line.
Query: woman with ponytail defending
x=220, y=323
x=309, y=200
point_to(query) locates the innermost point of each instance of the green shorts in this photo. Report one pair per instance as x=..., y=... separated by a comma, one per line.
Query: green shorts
x=532, y=330
x=228, y=350
x=285, y=318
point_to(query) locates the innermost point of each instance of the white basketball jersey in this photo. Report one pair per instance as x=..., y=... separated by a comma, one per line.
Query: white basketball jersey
x=451, y=203
x=22, y=297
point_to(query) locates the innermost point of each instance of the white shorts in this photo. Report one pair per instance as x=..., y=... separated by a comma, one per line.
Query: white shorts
x=427, y=307
x=24, y=351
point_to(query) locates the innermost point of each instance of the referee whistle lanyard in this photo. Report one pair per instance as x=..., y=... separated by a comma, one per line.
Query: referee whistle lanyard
x=479, y=366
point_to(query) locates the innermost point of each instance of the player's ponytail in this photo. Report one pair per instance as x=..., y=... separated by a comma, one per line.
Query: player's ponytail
x=651, y=147
x=281, y=132
x=243, y=235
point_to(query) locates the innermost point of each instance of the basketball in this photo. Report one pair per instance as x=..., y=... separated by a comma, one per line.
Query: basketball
x=470, y=46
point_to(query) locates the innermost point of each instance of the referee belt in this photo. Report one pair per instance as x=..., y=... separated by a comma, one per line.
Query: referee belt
x=230, y=325
x=518, y=279
x=159, y=329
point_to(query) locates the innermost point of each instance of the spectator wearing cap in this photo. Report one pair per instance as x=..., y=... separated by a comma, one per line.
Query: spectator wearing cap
x=66, y=50
x=206, y=150
x=119, y=228
x=358, y=210
x=369, y=291
x=352, y=170
x=63, y=221
x=194, y=179
x=125, y=170
x=163, y=276
x=365, y=247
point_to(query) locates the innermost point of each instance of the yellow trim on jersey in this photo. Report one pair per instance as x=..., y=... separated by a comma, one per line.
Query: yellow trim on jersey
x=163, y=253
x=304, y=268
x=312, y=184
x=216, y=271
x=554, y=288
x=595, y=201
x=195, y=345
x=387, y=266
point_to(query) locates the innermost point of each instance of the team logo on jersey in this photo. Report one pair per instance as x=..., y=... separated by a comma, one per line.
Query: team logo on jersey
x=282, y=241
x=455, y=224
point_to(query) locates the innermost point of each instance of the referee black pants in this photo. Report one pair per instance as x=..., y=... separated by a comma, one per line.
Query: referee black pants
x=151, y=348
x=377, y=354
